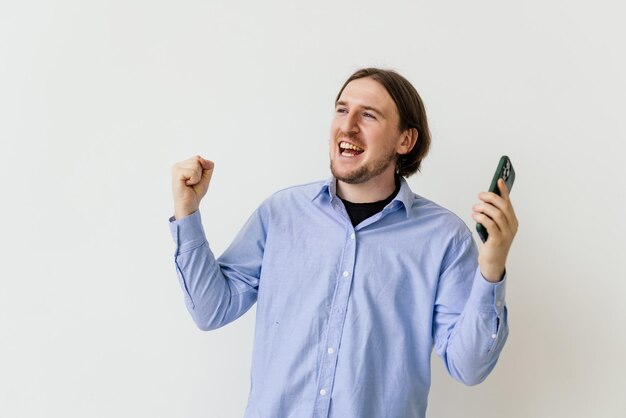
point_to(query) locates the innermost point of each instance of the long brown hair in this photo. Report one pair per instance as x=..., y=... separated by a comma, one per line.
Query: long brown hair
x=410, y=109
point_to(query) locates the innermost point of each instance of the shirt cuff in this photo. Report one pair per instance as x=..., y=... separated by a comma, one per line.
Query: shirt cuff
x=187, y=232
x=487, y=296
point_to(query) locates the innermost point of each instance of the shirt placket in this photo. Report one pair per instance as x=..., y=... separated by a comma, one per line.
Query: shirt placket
x=336, y=319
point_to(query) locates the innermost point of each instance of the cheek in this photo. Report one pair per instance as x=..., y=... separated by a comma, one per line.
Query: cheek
x=334, y=133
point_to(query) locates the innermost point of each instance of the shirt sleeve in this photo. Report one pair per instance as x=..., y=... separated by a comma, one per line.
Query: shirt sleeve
x=218, y=291
x=470, y=317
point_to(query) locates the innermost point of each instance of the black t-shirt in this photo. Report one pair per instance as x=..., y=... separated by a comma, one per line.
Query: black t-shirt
x=359, y=212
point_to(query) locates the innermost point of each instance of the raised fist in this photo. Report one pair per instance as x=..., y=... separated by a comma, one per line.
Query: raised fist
x=190, y=182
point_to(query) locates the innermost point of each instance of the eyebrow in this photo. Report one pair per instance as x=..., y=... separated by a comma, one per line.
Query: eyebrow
x=373, y=109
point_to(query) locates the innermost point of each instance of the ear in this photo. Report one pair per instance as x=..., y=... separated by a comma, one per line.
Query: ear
x=408, y=139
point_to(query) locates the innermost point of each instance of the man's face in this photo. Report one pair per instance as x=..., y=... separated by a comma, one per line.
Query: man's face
x=366, y=118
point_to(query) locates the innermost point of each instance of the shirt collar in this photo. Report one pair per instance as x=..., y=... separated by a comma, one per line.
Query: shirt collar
x=405, y=195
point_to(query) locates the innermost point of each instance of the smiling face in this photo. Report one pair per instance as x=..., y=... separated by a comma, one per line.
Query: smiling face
x=365, y=138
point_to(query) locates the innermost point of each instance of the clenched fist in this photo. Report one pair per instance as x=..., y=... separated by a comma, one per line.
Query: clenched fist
x=190, y=182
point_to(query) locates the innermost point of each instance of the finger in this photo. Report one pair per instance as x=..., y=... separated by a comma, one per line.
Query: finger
x=189, y=176
x=190, y=164
x=504, y=191
x=505, y=205
x=206, y=164
x=506, y=196
x=494, y=214
x=207, y=173
x=505, y=218
x=492, y=228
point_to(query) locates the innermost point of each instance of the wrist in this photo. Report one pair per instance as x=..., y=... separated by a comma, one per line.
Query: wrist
x=180, y=213
x=492, y=274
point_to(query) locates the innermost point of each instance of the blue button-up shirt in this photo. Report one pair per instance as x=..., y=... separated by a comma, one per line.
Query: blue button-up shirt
x=347, y=317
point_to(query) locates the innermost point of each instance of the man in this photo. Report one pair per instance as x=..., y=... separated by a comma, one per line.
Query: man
x=357, y=278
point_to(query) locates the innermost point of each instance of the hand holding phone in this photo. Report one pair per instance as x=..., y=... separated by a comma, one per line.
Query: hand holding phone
x=506, y=172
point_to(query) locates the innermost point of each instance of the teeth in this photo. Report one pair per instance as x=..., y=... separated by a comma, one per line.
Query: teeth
x=346, y=145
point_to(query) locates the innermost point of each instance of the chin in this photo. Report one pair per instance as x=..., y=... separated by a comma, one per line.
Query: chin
x=354, y=176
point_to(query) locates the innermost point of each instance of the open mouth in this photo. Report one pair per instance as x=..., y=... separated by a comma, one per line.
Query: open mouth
x=347, y=149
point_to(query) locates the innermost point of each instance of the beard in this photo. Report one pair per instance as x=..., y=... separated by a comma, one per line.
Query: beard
x=367, y=171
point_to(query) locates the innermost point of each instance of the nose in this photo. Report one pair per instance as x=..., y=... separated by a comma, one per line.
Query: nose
x=349, y=125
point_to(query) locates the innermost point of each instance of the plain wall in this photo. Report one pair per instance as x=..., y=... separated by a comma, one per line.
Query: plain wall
x=99, y=99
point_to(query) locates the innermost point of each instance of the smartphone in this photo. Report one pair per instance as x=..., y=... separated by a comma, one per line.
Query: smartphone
x=504, y=171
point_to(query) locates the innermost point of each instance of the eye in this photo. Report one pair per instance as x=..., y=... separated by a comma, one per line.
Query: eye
x=342, y=110
x=369, y=115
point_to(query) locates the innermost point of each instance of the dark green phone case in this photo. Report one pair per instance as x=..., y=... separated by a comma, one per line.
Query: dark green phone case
x=505, y=171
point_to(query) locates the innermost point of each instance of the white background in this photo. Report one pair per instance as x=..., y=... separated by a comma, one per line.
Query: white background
x=99, y=99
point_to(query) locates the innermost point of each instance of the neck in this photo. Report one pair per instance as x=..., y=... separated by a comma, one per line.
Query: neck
x=373, y=190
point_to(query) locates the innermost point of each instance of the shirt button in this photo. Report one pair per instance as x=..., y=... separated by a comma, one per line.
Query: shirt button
x=352, y=236
x=346, y=274
x=499, y=303
x=331, y=350
x=323, y=392
x=493, y=336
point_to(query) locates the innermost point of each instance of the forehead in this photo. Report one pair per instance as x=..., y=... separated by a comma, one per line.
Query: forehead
x=367, y=92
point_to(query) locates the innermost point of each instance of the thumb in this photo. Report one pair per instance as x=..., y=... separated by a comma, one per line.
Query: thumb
x=207, y=173
x=206, y=164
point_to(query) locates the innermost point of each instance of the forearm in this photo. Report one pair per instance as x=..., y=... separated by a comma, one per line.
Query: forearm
x=474, y=344
x=211, y=298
